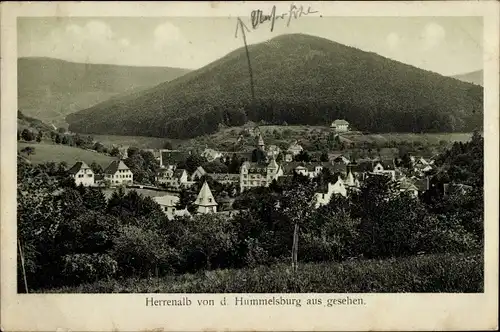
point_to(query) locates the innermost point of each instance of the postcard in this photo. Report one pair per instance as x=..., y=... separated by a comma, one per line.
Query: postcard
x=249, y=166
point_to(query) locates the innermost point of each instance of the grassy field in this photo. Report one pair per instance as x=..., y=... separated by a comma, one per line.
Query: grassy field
x=141, y=142
x=225, y=138
x=428, y=273
x=146, y=192
x=46, y=152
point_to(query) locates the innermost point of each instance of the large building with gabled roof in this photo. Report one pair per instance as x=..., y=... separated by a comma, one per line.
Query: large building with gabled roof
x=117, y=173
x=82, y=174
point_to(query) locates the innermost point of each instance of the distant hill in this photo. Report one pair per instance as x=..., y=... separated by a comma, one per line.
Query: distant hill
x=475, y=77
x=299, y=79
x=49, y=89
x=26, y=122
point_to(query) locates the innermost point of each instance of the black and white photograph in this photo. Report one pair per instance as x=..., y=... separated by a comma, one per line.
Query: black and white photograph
x=288, y=151
x=347, y=157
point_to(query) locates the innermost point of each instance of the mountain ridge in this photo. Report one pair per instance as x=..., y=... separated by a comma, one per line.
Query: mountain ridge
x=474, y=77
x=299, y=79
x=50, y=88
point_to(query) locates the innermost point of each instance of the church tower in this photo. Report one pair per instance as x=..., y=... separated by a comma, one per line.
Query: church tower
x=260, y=143
x=205, y=200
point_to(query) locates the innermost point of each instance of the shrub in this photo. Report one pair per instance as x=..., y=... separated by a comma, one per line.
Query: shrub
x=78, y=268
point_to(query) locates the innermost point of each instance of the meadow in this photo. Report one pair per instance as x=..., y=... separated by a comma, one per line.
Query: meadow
x=46, y=152
x=141, y=142
x=447, y=273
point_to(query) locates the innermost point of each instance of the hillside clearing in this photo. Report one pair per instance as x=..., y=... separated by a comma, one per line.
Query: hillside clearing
x=63, y=153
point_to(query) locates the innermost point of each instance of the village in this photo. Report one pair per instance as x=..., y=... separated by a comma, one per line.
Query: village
x=261, y=171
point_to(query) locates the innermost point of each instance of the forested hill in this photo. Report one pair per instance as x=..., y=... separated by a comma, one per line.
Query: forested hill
x=49, y=89
x=299, y=79
x=474, y=77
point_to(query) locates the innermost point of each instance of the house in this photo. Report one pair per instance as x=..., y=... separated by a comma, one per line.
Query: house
x=82, y=174
x=168, y=204
x=179, y=179
x=117, y=173
x=205, y=201
x=338, y=188
x=211, y=154
x=259, y=174
x=385, y=168
x=172, y=157
x=339, y=159
x=340, y=126
x=273, y=151
x=294, y=149
x=198, y=173
x=225, y=178
x=407, y=186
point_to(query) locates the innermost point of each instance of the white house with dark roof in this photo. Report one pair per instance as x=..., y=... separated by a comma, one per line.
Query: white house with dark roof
x=117, y=173
x=168, y=204
x=176, y=179
x=337, y=188
x=340, y=125
x=82, y=174
x=205, y=201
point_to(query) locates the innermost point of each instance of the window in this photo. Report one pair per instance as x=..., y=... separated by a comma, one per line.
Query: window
x=89, y=175
x=210, y=200
x=80, y=175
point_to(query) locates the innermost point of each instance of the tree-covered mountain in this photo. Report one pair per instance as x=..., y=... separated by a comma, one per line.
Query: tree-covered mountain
x=49, y=89
x=299, y=79
x=474, y=77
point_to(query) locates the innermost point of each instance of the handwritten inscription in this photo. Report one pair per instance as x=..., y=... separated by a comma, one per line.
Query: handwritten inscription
x=258, y=17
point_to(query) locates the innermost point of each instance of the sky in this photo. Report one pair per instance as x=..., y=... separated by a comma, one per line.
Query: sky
x=446, y=45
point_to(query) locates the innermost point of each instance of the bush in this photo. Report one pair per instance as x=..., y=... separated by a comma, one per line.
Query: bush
x=142, y=253
x=78, y=268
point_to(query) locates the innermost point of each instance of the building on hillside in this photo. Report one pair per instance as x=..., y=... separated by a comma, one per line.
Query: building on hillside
x=407, y=186
x=340, y=126
x=176, y=180
x=294, y=149
x=211, y=154
x=385, y=168
x=117, y=173
x=168, y=204
x=273, y=151
x=82, y=174
x=259, y=174
x=198, y=173
x=339, y=159
x=205, y=201
x=225, y=178
x=338, y=188
x=171, y=157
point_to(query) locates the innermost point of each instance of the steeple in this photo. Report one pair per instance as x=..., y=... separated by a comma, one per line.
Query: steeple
x=261, y=142
x=350, y=179
x=205, y=200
